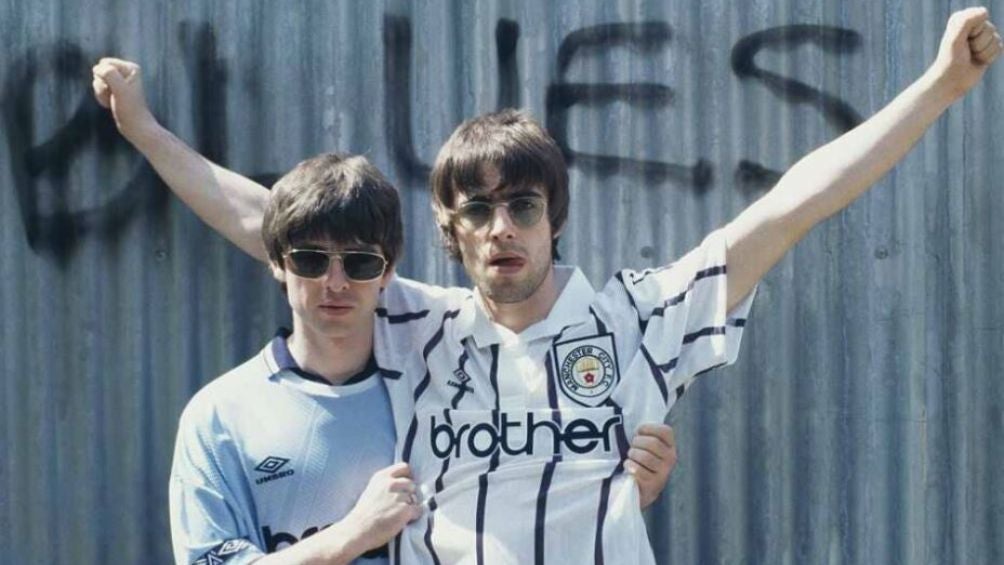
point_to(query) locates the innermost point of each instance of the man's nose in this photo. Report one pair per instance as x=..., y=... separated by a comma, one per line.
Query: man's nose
x=335, y=278
x=501, y=225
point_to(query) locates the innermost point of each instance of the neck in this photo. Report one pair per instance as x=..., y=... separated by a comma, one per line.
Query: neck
x=336, y=359
x=517, y=316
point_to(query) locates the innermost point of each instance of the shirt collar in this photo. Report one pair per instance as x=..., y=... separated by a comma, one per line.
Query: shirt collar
x=284, y=361
x=571, y=308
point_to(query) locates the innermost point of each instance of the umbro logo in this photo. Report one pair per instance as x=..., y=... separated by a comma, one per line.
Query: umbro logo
x=272, y=465
x=461, y=382
x=222, y=552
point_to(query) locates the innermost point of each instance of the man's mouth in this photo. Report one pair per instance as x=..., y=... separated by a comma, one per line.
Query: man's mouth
x=336, y=308
x=506, y=261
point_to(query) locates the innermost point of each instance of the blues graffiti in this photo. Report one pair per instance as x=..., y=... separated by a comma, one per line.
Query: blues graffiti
x=55, y=222
x=41, y=167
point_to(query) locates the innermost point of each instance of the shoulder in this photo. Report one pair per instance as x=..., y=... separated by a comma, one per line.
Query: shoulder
x=207, y=408
x=706, y=262
x=403, y=295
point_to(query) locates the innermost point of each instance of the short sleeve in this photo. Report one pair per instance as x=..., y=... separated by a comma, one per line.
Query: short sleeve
x=409, y=315
x=210, y=521
x=682, y=313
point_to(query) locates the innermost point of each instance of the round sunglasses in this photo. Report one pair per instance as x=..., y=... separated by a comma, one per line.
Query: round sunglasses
x=525, y=211
x=359, y=266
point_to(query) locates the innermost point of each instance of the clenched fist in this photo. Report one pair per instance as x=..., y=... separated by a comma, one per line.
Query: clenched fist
x=118, y=86
x=968, y=47
x=385, y=507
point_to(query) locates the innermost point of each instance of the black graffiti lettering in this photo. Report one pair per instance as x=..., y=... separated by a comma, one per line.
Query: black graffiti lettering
x=42, y=165
x=208, y=77
x=397, y=42
x=506, y=39
x=41, y=170
x=752, y=176
x=397, y=101
x=644, y=36
x=562, y=95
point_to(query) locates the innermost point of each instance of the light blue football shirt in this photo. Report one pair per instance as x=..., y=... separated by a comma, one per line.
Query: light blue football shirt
x=268, y=454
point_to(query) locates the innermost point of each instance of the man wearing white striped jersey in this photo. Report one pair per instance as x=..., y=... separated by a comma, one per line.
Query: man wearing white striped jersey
x=517, y=427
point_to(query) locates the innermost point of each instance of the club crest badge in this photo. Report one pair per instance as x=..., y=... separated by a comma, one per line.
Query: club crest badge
x=587, y=368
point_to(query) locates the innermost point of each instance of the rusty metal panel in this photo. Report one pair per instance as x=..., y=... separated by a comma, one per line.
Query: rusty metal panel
x=862, y=422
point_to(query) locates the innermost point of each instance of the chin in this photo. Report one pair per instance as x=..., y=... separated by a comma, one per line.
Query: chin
x=508, y=293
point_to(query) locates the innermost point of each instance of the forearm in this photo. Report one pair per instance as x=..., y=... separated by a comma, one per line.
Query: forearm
x=334, y=545
x=831, y=177
x=828, y=180
x=231, y=204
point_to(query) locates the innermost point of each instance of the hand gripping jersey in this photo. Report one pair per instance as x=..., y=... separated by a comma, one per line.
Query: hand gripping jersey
x=266, y=456
x=518, y=441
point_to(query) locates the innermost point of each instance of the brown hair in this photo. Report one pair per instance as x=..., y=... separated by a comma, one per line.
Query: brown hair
x=522, y=152
x=335, y=197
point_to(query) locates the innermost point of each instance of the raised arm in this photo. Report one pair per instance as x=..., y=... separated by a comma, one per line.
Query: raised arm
x=230, y=203
x=831, y=177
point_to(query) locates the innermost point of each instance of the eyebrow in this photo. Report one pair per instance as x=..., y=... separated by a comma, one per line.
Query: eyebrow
x=505, y=194
x=328, y=246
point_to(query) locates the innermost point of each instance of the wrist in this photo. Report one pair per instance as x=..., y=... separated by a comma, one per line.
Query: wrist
x=343, y=541
x=143, y=133
x=941, y=86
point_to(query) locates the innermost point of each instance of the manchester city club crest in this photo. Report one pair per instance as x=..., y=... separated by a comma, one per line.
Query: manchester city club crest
x=587, y=368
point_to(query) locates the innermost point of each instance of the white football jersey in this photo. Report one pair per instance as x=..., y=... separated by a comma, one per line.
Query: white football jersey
x=518, y=441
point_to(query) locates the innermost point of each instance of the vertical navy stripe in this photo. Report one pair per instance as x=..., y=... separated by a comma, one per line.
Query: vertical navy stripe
x=409, y=440
x=430, y=523
x=622, y=441
x=601, y=328
x=601, y=513
x=656, y=373
x=540, y=519
x=446, y=462
x=552, y=387
x=423, y=384
x=428, y=532
x=479, y=520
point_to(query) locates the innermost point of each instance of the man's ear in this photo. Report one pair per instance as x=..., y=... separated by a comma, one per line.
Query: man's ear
x=387, y=276
x=278, y=273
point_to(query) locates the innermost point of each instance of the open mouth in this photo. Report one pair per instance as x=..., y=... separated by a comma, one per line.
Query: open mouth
x=507, y=262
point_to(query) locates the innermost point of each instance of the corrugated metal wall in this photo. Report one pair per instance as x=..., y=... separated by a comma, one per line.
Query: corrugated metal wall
x=863, y=423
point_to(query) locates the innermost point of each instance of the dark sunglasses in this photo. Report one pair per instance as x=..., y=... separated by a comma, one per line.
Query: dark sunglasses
x=525, y=211
x=359, y=266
